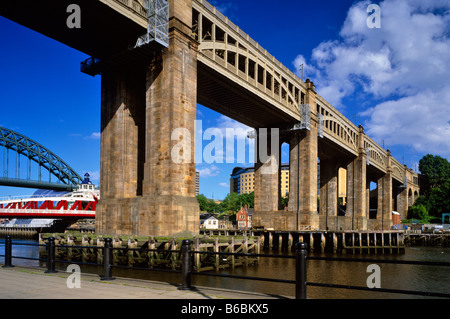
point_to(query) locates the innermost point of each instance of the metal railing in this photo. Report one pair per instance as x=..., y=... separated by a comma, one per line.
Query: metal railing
x=301, y=258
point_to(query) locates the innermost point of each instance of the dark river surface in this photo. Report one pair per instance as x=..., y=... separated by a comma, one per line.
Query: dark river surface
x=394, y=276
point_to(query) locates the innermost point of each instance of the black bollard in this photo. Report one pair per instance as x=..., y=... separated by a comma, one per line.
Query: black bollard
x=51, y=256
x=185, y=265
x=107, y=260
x=300, y=272
x=8, y=252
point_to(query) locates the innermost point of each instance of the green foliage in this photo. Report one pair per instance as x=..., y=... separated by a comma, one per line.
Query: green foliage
x=435, y=172
x=230, y=205
x=208, y=205
x=419, y=212
x=247, y=199
x=285, y=201
x=435, y=189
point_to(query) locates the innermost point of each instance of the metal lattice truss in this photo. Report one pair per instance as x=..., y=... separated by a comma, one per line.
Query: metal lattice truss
x=22, y=145
x=305, y=116
x=367, y=156
x=158, y=23
x=320, y=127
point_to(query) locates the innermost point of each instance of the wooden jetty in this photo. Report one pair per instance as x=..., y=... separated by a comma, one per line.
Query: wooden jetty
x=154, y=252
x=345, y=242
x=427, y=239
x=165, y=253
x=19, y=232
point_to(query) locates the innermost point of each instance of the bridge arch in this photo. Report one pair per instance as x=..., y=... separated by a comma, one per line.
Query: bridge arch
x=66, y=177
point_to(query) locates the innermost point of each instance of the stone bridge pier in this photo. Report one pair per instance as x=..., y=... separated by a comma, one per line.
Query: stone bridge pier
x=148, y=111
x=314, y=199
x=302, y=208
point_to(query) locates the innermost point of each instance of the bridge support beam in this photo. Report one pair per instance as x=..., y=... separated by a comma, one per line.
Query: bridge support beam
x=302, y=208
x=384, y=217
x=267, y=172
x=405, y=196
x=385, y=198
x=303, y=170
x=402, y=202
x=148, y=139
x=357, y=187
x=328, y=194
x=122, y=120
x=169, y=172
x=267, y=181
x=307, y=176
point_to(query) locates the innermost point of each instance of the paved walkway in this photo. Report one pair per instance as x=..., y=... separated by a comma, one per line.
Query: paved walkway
x=33, y=283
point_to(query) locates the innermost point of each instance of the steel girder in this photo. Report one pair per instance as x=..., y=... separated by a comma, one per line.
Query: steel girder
x=41, y=155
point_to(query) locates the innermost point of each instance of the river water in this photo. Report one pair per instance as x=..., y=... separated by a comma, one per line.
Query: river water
x=394, y=276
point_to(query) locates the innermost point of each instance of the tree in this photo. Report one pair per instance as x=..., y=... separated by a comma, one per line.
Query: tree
x=247, y=199
x=231, y=203
x=202, y=202
x=435, y=172
x=419, y=212
x=207, y=205
x=285, y=201
x=435, y=189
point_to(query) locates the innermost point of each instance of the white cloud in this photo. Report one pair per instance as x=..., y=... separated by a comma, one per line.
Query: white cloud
x=224, y=7
x=238, y=147
x=95, y=135
x=420, y=120
x=223, y=184
x=94, y=176
x=405, y=64
x=209, y=171
x=301, y=65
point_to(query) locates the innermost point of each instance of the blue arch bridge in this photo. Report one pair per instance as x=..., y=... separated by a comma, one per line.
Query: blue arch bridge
x=26, y=163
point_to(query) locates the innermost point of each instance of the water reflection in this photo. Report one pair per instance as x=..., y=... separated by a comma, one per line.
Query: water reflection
x=22, y=251
x=406, y=277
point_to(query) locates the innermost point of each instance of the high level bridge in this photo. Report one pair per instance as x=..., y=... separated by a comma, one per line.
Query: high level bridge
x=150, y=88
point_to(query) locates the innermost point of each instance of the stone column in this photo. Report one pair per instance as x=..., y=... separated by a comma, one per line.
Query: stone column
x=402, y=202
x=267, y=170
x=122, y=121
x=148, y=172
x=380, y=197
x=357, y=187
x=304, y=162
x=387, y=194
x=169, y=205
x=328, y=194
x=385, y=202
x=405, y=197
x=294, y=182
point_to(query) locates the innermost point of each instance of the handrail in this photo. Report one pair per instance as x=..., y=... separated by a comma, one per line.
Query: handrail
x=186, y=255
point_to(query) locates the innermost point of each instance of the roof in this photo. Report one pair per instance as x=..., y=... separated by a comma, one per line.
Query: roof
x=248, y=211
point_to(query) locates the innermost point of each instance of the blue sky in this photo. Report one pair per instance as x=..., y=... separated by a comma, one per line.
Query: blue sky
x=394, y=79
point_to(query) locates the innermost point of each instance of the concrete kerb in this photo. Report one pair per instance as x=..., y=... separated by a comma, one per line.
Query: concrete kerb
x=33, y=283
